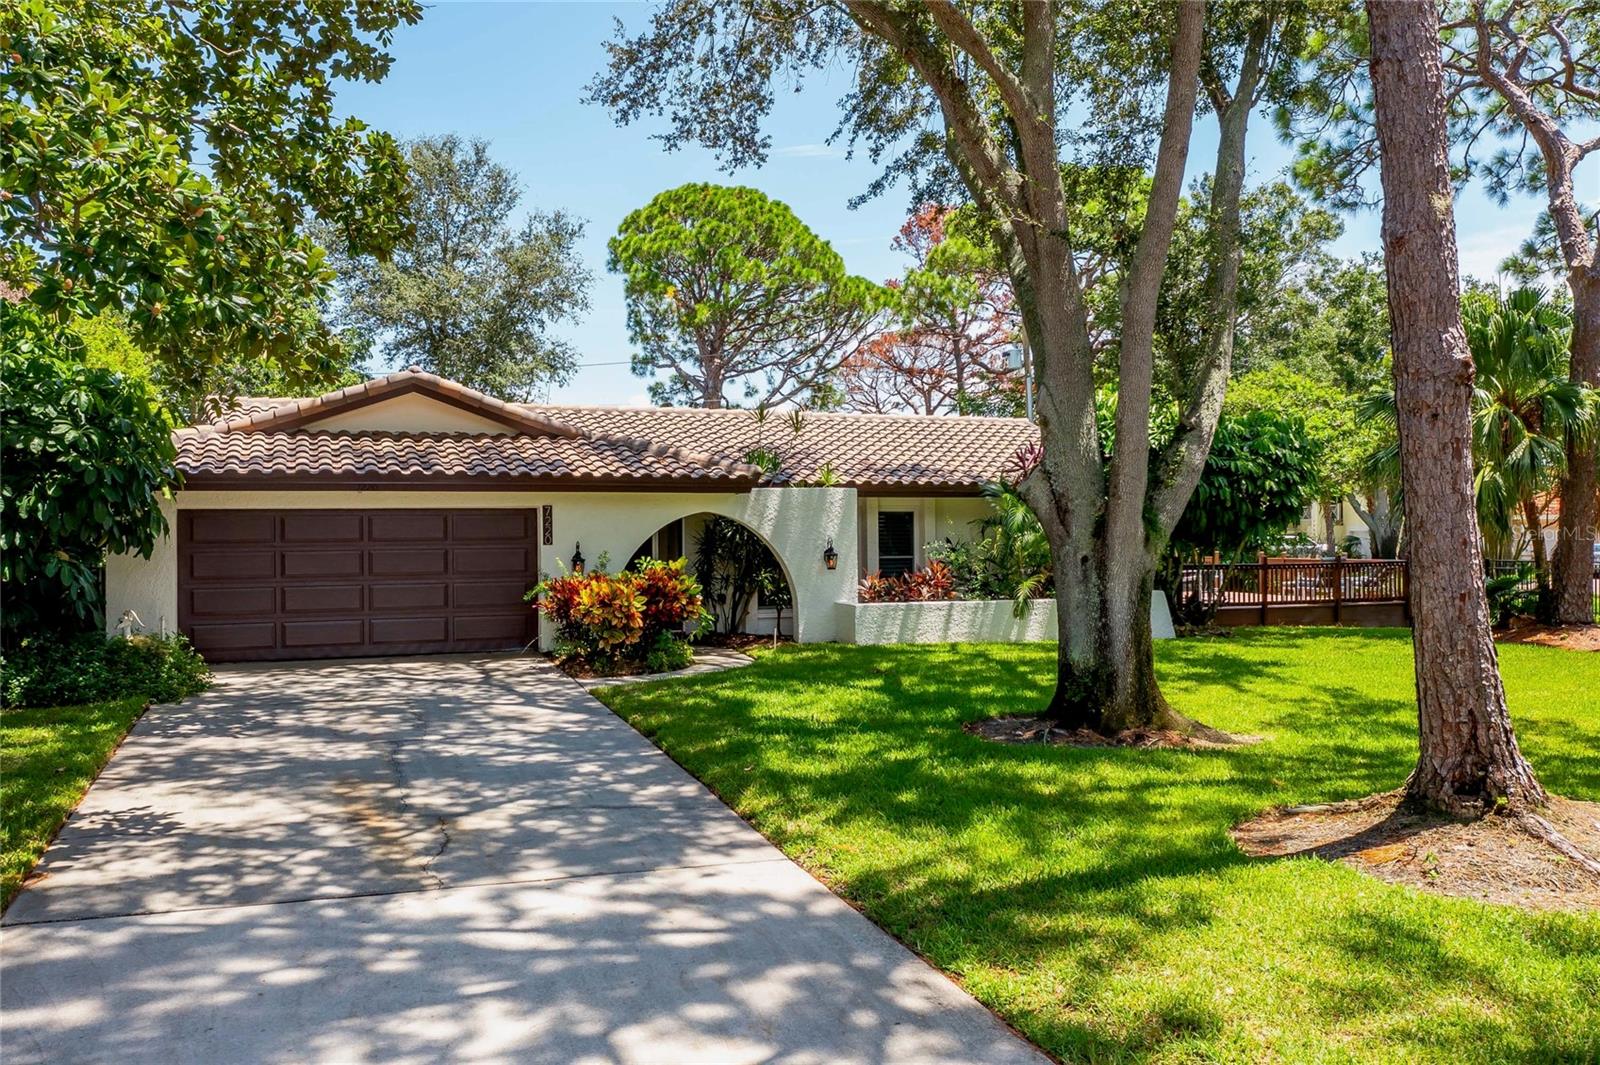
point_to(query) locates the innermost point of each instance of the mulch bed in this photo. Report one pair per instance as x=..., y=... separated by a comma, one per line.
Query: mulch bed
x=740, y=641
x=576, y=667
x=1489, y=858
x=1023, y=730
x=1567, y=637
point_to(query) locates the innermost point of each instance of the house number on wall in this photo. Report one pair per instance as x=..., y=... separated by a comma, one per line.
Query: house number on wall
x=549, y=525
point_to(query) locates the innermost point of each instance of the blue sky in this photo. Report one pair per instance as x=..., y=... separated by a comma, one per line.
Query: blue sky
x=513, y=73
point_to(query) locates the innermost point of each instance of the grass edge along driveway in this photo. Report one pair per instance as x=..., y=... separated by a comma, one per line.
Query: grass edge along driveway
x=48, y=758
x=1093, y=897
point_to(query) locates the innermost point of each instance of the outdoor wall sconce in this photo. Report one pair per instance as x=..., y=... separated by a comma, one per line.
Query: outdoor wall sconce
x=830, y=557
x=577, y=558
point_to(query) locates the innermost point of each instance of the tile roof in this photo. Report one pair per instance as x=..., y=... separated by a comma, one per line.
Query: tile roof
x=515, y=457
x=884, y=452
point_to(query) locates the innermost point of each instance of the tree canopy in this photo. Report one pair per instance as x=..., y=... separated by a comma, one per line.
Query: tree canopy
x=469, y=294
x=735, y=299
x=85, y=456
x=162, y=159
x=983, y=103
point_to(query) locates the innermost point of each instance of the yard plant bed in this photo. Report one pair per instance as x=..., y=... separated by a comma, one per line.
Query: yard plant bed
x=48, y=758
x=1095, y=898
x=1567, y=637
x=1489, y=858
x=1031, y=729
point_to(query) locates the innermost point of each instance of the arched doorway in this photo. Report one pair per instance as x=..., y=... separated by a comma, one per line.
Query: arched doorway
x=745, y=585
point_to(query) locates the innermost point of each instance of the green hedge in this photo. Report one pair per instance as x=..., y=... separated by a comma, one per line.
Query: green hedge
x=86, y=668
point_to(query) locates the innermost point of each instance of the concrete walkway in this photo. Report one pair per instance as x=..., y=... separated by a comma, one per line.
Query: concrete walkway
x=465, y=859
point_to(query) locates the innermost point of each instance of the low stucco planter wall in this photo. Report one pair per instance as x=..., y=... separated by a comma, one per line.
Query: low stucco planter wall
x=972, y=621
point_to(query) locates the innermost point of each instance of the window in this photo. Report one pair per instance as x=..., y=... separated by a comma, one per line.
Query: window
x=897, y=542
x=669, y=541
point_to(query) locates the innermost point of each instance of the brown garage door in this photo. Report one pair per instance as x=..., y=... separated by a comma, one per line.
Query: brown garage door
x=258, y=584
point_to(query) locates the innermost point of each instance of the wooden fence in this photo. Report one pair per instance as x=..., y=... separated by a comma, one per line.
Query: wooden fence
x=1297, y=591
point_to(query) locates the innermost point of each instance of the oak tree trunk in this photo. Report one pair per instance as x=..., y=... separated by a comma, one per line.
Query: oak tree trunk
x=1105, y=672
x=1469, y=757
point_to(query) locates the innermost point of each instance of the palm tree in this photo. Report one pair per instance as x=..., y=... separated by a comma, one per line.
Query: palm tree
x=1525, y=410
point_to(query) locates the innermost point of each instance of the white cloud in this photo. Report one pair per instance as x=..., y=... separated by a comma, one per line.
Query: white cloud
x=1483, y=251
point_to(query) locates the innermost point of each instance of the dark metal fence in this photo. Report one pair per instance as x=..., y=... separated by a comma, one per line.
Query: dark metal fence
x=1299, y=591
x=1505, y=567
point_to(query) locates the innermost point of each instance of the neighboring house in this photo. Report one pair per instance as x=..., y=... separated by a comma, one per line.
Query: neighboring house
x=410, y=514
x=1313, y=524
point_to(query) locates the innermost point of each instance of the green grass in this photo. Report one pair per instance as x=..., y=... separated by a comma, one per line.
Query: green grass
x=47, y=759
x=1094, y=899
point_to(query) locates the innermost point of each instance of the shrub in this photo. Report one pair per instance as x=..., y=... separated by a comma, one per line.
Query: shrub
x=87, y=668
x=610, y=621
x=1509, y=597
x=86, y=457
x=934, y=582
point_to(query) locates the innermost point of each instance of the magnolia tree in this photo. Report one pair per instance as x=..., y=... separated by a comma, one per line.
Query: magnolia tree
x=163, y=160
x=983, y=100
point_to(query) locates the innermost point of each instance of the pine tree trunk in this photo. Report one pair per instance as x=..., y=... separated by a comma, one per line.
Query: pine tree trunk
x=1580, y=490
x=1469, y=757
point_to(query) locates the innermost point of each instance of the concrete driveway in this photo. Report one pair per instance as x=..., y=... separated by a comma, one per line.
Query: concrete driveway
x=455, y=858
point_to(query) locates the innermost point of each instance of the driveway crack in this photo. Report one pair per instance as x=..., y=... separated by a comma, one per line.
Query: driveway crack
x=443, y=826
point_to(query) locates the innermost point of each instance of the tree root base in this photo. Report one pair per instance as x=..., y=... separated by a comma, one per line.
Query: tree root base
x=1025, y=730
x=1538, y=860
x=1567, y=637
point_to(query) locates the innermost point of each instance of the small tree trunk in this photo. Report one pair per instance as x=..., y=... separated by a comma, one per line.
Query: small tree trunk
x=1469, y=758
x=1573, y=599
x=1541, y=562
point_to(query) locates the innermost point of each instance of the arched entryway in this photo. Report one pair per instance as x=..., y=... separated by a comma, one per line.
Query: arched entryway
x=745, y=584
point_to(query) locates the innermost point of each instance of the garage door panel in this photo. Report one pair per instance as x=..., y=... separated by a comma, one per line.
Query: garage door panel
x=478, y=594
x=233, y=565
x=231, y=527
x=411, y=630
x=410, y=562
x=494, y=525
x=491, y=560
x=388, y=526
x=234, y=637
x=232, y=602
x=333, y=632
x=301, y=562
x=409, y=596
x=326, y=583
x=488, y=627
x=322, y=598
x=321, y=527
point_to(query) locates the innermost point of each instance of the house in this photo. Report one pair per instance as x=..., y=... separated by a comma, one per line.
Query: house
x=410, y=514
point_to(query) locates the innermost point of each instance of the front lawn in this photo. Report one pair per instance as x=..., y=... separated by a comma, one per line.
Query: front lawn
x=48, y=757
x=1093, y=897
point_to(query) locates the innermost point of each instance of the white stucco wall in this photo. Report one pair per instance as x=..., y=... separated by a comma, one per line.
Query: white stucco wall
x=957, y=621
x=973, y=621
x=796, y=523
